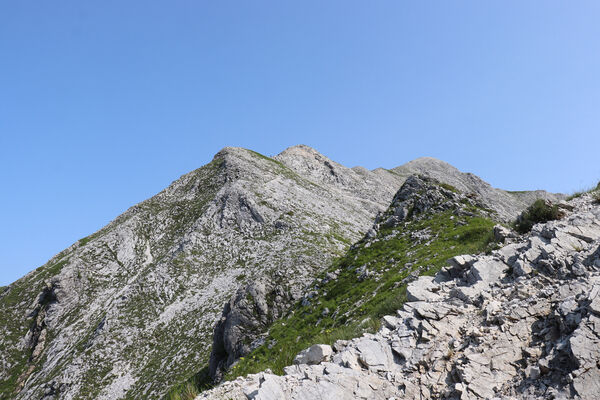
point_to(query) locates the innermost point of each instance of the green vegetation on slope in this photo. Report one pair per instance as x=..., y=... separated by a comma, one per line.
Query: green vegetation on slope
x=368, y=282
x=581, y=192
x=17, y=298
x=539, y=211
x=13, y=326
x=354, y=302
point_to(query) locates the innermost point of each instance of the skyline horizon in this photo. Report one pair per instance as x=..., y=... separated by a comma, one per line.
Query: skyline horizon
x=33, y=268
x=104, y=104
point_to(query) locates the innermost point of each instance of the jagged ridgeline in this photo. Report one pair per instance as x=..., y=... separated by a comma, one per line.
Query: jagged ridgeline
x=129, y=311
x=428, y=222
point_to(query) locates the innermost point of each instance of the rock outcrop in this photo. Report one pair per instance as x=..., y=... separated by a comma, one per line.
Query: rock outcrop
x=245, y=317
x=420, y=194
x=522, y=322
x=507, y=205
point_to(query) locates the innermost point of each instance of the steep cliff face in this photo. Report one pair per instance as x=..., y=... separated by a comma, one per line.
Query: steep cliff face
x=520, y=322
x=129, y=310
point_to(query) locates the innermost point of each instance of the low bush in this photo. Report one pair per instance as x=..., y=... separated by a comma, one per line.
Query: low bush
x=539, y=211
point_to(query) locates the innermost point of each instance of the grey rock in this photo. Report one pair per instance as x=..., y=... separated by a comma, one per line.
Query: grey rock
x=314, y=354
x=501, y=233
x=521, y=267
x=534, y=334
x=487, y=270
x=422, y=289
x=244, y=317
x=507, y=204
x=153, y=283
x=374, y=354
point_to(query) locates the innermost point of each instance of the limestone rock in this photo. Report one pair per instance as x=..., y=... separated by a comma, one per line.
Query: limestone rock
x=531, y=334
x=314, y=354
x=221, y=251
x=137, y=301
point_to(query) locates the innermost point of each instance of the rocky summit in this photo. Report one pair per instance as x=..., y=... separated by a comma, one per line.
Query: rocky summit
x=198, y=275
x=522, y=322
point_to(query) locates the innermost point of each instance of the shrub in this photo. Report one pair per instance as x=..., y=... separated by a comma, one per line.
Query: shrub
x=539, y=211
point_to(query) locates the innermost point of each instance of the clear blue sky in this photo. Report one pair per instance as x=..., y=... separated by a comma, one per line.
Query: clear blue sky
x=104, y=103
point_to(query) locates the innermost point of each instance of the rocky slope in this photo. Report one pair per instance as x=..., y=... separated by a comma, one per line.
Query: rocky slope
x=427, y=223
x=248, y=315
x=129, y=310
x=507, y=205
x=522, y=322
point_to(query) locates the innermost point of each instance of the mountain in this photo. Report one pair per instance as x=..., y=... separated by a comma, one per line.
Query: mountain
x=521, y=321
x=130, y=310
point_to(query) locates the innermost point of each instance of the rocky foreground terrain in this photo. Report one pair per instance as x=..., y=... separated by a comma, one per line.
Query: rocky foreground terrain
x=137, y=307
x=522, y=322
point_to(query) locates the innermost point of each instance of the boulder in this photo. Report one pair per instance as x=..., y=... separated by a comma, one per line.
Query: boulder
x=315, y=354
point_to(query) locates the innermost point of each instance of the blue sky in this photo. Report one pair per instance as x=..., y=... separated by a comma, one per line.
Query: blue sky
x=104, y=103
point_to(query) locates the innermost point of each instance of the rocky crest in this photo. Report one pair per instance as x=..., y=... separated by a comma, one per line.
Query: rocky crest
x=522, y=322
x=420, y=194
x=507, y=205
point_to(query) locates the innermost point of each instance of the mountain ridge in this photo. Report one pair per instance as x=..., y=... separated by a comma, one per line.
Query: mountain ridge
x=130, y=308
x=240, y=216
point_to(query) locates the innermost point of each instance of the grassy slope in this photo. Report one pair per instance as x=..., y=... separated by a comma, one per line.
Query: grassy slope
x=348, y=306
x=356, y=306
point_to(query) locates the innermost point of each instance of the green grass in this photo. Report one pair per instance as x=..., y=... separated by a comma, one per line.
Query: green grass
x=189, y=389
x=87, y=239
x=356, y=306
x=581, y=192
x=449, y=187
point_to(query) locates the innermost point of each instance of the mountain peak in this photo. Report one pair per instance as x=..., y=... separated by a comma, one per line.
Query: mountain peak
x=300, y=150
x=231, y=151
x=308, y=162
x=428, y=163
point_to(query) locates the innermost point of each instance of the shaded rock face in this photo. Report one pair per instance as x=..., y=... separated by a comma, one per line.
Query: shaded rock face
x=243, y=321
x=480, y=329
